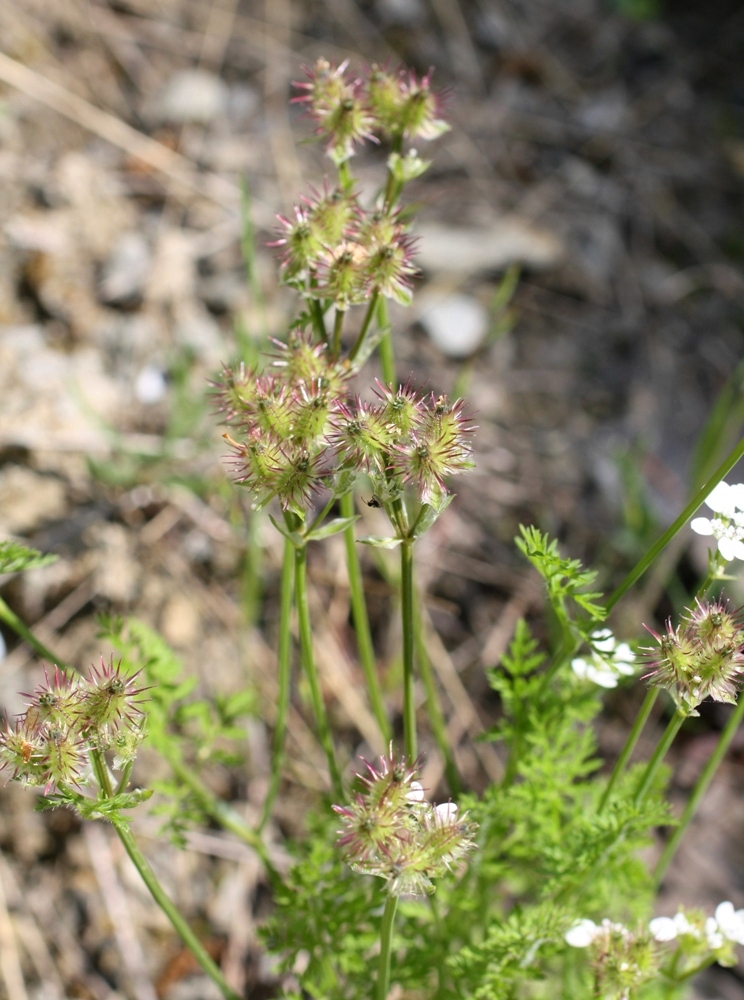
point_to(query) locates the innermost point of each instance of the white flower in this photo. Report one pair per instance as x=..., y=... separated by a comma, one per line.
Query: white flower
x=585, y=932
x=608, y=660
x=446, y=812
x=713, y=935
x=663, y=929
x=730, y=922
x=582, y=933
x=415, y=792
x=727, y=528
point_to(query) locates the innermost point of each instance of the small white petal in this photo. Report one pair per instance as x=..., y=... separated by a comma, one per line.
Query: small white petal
x=730, y=922
x=604, y=641
x=713, y=935
x=581, y=934
x=702, y=526
x=603, y=677
x=579, y=667
x=737, y=492
x=727, y=548
x=722, y=500
x=446, y=812
x=683, y=925
x=738, y=548
x=663, y=928
x=416, y=792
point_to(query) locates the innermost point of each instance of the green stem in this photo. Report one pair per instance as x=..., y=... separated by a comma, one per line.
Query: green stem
x=658, y=756
x=311, y=670
x=386, y=944
x=385, y=347
x=701, y=786
x=188, y=937
x=338, y=328
x=650, y=700
x=361, y=620
x=409, y=705
x=642, y=565
x=433, y=706
x=22, y=630
x=345, y=178
x=643, y=713
x=368, y=316
x=157, y=892
x=316, y=314
x=284, y=665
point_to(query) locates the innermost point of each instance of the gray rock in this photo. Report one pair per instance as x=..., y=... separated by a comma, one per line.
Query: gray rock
x=192, y=96
x=457, y=325
x=509, y=240
x=126, y=271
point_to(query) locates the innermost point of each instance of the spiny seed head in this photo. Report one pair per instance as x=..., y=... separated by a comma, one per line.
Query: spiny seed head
x=439, y=448
x=22, y=751
x=110, y=699
x=300, y=245
x=332, y=215
x=404, y=106
x=702, y=658
x=337, y=103
x=402, y=407
x=55, y=701
x=361, y=436
x=390, y=831
x=342, y=275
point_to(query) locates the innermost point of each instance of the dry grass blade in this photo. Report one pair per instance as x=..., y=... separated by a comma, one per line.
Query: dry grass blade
x=177, y=168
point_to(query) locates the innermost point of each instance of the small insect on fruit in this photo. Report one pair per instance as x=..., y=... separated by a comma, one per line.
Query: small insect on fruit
x=374, y=501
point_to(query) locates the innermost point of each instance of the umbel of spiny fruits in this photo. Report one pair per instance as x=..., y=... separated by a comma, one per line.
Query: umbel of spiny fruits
x=297, y=429
x=391, y=831
x=68, y=717
x=703, y=657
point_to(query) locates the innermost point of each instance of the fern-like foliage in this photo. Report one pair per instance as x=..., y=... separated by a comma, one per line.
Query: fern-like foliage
x=15, y=558
x=565, y=579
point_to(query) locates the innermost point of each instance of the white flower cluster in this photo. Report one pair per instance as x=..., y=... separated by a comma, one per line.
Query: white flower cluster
x=607, y=662
x=585, y=932
x=727, y=527
x=726, y=925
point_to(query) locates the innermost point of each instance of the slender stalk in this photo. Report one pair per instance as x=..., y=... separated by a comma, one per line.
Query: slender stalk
x=386, y=943
x=385, y=347
x=157, y=892
x=433, y=707
x=409, y=705
x=361, y=621
x=316, y=314
x=701, y=786
x=284, y=665
x=658, y=756
x=338, y=328
x=11, y=619
x=650, y=700
x=642, y=565
x=368, y=317
x=311, y=670
x=621, y=763
x=188, y=937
